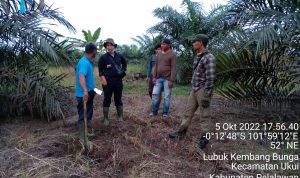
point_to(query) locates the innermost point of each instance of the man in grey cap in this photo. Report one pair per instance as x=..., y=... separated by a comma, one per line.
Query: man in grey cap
x=112, y=67
x=202, y=89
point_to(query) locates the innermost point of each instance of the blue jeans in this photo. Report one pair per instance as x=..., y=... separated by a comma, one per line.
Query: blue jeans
x=161, y=85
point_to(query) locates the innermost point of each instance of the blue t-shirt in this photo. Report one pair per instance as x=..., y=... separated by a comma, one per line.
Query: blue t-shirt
x=85, y=67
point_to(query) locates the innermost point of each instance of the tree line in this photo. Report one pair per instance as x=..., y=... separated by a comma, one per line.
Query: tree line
x=256, y=44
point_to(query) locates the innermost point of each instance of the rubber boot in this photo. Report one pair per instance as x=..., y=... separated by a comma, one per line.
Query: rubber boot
x=106, y=116
x=202, y=143
x=120, y=113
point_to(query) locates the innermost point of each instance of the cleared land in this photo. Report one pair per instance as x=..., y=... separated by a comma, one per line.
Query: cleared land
x=137, y=147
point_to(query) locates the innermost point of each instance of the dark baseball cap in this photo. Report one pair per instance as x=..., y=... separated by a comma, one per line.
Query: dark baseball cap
x=200, y=37
x=90, y=47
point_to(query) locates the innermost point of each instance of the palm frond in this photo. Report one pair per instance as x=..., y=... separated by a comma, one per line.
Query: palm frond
x=34, y=92
x=253, y=77
x=27, y=44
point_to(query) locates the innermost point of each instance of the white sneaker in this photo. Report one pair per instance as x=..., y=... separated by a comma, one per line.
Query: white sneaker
x=165, y=116
x=151, y=114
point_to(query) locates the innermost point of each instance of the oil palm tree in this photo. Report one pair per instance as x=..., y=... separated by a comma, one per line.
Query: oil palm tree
x=181, y=26
x=27, y=44
x=263, y=52
x=146, y=45
x=255, y=43
x=132, y=53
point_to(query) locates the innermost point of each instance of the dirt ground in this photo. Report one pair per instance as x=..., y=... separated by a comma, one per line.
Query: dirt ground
x=136, y=147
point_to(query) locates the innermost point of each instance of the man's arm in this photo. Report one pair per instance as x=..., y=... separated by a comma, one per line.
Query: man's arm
x=154, y=73
x=124, y=63
x=82, y=82
x=154, y=68
x=173, y=68
x=210, y=72
x=101, y=67
x=82, y=73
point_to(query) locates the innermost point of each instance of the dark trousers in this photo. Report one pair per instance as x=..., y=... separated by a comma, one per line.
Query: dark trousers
x=114, y=86
x=89, y=107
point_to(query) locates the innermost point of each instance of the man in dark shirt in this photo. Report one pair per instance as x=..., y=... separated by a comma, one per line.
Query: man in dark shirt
x=202, y=89
x=110, y=64
x=150, y=68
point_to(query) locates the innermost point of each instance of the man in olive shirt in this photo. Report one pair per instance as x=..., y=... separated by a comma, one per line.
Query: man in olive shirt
x=152, y=62
x=164, y=73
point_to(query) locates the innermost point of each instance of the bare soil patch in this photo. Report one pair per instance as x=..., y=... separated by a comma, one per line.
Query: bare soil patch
x=137, y=147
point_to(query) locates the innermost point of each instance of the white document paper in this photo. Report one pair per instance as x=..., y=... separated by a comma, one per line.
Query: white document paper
x=99, y=92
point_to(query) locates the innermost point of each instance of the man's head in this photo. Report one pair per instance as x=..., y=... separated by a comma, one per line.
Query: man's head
x=165, y=44
x=157, y=48
x=200, y=42
x=91, y=50
x=110, y=45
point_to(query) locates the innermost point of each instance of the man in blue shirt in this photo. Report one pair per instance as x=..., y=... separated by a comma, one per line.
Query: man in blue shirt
x=85, y=85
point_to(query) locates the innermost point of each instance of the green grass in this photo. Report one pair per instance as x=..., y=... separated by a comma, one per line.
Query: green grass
x=70, y=79
x=135, y=68
x=135, y=87
x=181, y=89
x=140, y=87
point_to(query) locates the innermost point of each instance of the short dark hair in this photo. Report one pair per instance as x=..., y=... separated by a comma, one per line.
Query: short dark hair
x=203, y=38
x=90, y=47
x=167, y=41
x=157, y=46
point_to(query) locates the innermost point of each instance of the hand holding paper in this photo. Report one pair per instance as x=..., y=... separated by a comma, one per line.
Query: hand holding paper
x=99, y=92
